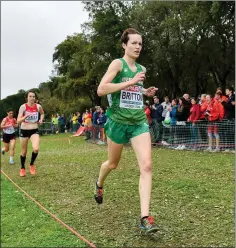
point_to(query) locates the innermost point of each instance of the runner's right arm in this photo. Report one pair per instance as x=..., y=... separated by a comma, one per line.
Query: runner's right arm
x=3, y=123
x=21, y=116
x=107, y=87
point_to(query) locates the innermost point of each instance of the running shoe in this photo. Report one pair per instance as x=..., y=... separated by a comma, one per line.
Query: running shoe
x=98, y=194
x=22, y=172
x=3, y=151
x=148, y=226
x=32, y=170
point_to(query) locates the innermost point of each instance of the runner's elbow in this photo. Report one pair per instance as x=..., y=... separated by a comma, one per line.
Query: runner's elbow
x=100, y=91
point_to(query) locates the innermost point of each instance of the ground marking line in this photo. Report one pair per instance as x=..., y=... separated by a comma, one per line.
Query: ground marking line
x=48, y=212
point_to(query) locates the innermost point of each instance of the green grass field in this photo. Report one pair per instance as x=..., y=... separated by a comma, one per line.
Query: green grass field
x=192, y=198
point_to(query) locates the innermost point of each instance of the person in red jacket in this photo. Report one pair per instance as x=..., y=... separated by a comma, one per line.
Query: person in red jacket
x=195, y=113
x=219, y=98
x=147, y=111
x=223, y=97
x=202, y=123
x=212, y=113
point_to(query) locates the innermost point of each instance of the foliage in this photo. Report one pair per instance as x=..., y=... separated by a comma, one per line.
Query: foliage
x=188, y=47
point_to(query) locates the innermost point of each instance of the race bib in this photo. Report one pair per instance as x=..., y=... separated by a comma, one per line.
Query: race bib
x=9, y=130
x=131, y=97
x=32, y=118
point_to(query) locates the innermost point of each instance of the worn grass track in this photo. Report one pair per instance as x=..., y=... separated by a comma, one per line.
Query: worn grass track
x=192, y=197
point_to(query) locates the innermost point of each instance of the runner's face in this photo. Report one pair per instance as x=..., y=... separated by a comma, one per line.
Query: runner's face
x=133, y=46
x=10, y=114
x=31, y=97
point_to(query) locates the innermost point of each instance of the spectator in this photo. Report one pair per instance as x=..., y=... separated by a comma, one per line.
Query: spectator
x=74, y=120
x=101, y=122
x=218, y=98
x=61, y=123
x=202, y=99
x=70, y=122
x=202, y=120
x=212, y=114
x=182, y=115
x=87, y=118
x=157, y=118
x=78, y=120
x=147, y=111
x=54, y=121
x=166, y=123
x=172, y=110
x=187, y=101
x=95, y=125
x=149, y=105
x=88, y=124
x=229, y=103
x=227, y=126
x=223, y=97
x=195, y=113
x=166, y=104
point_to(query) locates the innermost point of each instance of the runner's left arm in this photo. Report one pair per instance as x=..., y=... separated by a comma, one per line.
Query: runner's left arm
x=15, y=125
x=41, y=114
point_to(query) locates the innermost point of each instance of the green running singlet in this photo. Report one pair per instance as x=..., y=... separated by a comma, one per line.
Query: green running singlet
x=126, y=106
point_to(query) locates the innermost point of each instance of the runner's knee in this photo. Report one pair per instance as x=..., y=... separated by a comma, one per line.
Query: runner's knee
x=35, y=149
x=112, y=165
x=23, y=153
x=146, y=167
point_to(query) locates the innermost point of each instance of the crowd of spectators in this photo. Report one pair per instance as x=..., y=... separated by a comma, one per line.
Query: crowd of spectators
x=92, y=120
x=187, y=119
x=184, y=122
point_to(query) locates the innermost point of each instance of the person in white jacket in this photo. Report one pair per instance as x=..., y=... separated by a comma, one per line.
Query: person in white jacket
x=166, y=104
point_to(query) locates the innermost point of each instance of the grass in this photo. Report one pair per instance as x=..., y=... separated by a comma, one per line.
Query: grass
x=24, y=224
x=192, y=196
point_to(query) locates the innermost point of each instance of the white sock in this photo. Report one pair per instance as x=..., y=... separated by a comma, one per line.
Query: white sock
x=11, y=158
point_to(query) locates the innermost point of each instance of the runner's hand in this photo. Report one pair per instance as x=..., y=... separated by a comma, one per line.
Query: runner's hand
x=24, y=117
x=138, y=77
x=151, y=91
